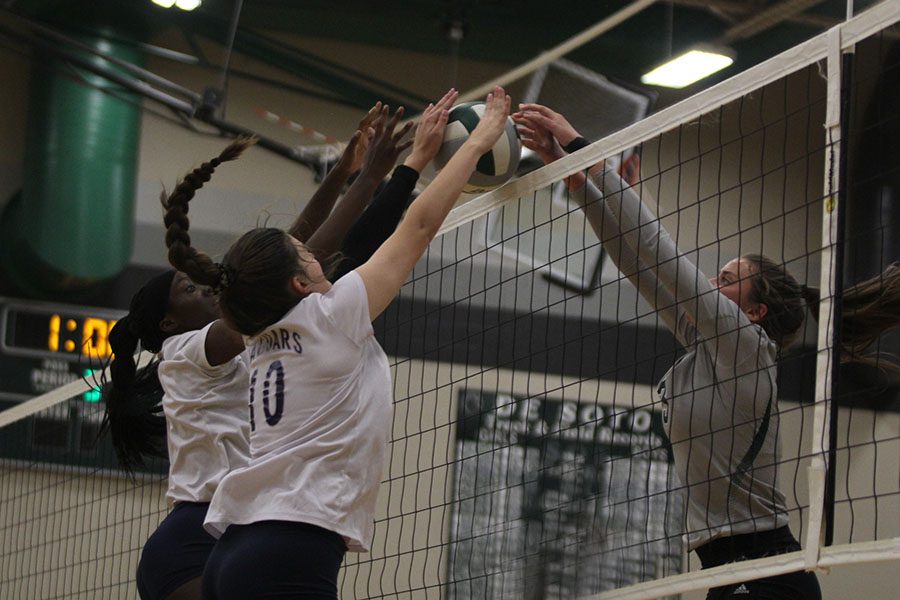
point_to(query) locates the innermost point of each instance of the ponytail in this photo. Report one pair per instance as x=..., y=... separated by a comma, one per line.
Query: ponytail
x=869, y=309
x=132, y=417
x=184, y=257
x=132, y=396
x=812, y=297
x=251, y=280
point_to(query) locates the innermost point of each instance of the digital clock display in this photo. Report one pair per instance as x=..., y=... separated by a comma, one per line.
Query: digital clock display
x=56, y=331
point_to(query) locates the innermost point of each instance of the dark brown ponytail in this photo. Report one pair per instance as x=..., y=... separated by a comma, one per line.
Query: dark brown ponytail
x=197, y=265
x=813, y=297
x=253, y=278
x=869, y=308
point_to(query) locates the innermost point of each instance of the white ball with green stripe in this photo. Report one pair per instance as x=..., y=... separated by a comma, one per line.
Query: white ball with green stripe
x=495, y=167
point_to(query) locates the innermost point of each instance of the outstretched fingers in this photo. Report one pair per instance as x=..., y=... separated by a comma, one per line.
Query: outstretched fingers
x=536, y=136
x=442, y=119
x=383, y=135
x=395, y=118
x=448, y=99
x=380, y=121
x=400, y=135
x=528, y=133
x=558, y=126
x=370, y=117
x=430, y=132
x=403, y=131
x=533, y=118
x=499, y=100
x=492, y=122
x=353, y=142
x=538, y=108
x=435, y=114
x=387, y=144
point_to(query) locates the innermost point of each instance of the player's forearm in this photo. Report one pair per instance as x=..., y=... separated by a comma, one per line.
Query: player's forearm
x=430, y=209
x=328, y=237
x=320, y=205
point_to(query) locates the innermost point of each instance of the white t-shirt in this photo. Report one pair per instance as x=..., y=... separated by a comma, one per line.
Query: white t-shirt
x=206, y=416
x=320, y=421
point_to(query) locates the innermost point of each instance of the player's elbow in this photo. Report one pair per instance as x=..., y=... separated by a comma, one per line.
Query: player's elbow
x=421, y=230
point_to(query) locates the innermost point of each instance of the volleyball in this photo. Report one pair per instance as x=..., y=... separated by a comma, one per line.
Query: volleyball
x=495, y=167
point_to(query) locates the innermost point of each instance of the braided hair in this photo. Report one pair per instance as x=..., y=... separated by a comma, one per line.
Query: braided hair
x=252, y=279
x=184, y=257
x=132, y=397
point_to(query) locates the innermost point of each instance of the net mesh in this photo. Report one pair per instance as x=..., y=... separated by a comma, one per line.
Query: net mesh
x=528, y=456
x=72, y=526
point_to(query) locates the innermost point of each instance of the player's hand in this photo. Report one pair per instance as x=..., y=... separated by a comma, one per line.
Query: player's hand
x=354, y=154
x=551, y=120
x=535, y=136
x=492, y=122
x=430, y=132
x=386, y=145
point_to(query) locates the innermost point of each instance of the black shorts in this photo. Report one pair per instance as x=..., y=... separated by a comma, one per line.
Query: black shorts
x=790, y=586
x=274, y=559
x=176, y=552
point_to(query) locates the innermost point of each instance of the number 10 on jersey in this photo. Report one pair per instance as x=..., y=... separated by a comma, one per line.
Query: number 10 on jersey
x=272, y=387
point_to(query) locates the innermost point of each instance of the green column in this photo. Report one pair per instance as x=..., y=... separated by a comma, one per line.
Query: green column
x=71, y=227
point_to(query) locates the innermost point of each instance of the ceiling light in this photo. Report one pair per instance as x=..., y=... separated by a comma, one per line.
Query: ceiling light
x=182, y=4
x=691, y=66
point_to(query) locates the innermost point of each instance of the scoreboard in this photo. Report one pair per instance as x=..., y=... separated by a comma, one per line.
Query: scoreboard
x=43, y=346
x=46, y=345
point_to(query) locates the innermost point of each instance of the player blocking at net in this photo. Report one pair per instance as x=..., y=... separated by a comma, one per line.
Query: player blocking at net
x=719, y=397
x=320, y=390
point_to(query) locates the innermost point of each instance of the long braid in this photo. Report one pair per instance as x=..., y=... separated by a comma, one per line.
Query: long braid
x=132, y=396
x=132, y=400
x=197, y=265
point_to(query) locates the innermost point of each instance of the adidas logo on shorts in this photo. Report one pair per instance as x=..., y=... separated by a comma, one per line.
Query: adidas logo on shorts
x=740, y=590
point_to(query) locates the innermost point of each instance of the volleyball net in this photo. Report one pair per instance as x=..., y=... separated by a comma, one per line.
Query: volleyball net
x=528, y=456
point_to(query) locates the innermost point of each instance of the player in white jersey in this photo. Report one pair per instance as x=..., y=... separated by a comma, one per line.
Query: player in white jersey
x=201, y=375
x=720, y=395
x=320, y=394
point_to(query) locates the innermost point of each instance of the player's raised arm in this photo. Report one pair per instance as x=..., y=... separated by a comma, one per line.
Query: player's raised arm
x=388, y=268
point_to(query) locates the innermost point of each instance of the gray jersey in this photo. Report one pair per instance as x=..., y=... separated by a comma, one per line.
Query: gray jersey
x=719, y=397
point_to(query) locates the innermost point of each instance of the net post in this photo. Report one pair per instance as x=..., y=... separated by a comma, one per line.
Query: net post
x=829, y=272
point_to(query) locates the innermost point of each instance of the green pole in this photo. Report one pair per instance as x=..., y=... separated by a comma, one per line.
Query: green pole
x=71, y=227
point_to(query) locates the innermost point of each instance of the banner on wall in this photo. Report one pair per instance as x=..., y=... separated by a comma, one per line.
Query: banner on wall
x=558, y=499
